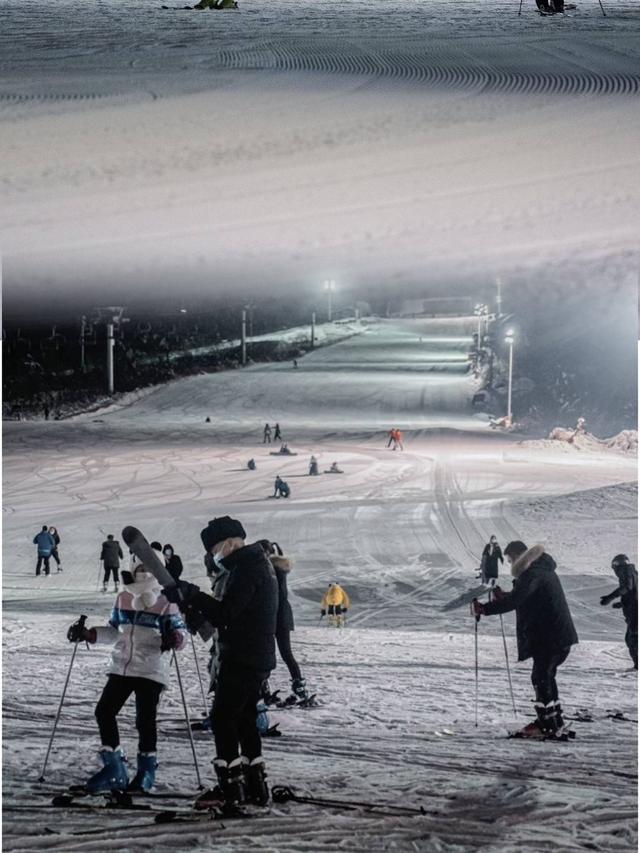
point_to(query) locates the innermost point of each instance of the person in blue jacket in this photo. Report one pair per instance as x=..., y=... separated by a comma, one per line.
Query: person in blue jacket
x=46, y=546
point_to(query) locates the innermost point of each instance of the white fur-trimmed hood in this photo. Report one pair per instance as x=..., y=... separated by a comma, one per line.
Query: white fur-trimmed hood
x=284, y=564
x=525, y=560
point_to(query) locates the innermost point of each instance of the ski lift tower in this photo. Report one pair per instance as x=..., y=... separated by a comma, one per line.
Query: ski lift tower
x=111, y=316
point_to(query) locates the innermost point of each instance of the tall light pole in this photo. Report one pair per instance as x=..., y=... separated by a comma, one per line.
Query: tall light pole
x=83, y=327
x=510, y=340
x=329, y=287
x=499, y=297
x=313, y=329
x=244, y=337
x=114, y=316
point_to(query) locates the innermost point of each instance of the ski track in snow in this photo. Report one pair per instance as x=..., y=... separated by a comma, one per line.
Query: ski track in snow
x=403, y=532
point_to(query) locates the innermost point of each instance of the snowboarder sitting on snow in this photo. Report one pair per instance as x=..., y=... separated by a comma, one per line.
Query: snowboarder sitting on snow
x=334, y=469
x=627, y=592
x=285, y=624
x=46, y=546
x=489, y=564
x=246, y=621
x=144, y=627
x=111, y=555
x=544, y=628
x=336, y=603
x=216, y=4
x=251, y=464
x=313, y=467
x=550, y=7
x=281, y=489
x=285, y=450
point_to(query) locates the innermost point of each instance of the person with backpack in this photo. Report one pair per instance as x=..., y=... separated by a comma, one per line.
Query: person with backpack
x=544, y=628
x=110, y=556
x=46, y=546
x=627, y=592
x=56, y=539
x=144, y=628
x=245, y=617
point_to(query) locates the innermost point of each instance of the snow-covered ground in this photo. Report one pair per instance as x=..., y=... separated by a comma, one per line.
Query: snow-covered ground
x=362, y=140
x=402, y=531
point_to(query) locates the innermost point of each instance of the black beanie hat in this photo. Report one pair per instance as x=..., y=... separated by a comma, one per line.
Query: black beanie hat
x=220, y=529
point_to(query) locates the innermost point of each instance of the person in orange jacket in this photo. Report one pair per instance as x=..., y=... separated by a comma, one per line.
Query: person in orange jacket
x=336, y=604
x=398, y=440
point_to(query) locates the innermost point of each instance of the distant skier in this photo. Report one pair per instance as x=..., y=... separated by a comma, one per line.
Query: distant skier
x=398, y=437
x=266, y=434
x=281, y=489
x=544, y=628
x=489, y=564
x=46, y=546
x=144, y=627
x=285, y=624
x=111, y=555
x=246, y=620
x=334, y=469
x=392, y=437
x=295, y=364
x=277, y=435
x=627, y=592
x=336, y=604
x=313, y=467
x=251, y=464
x=218, y=5
x=56, y=538
x=172, y=561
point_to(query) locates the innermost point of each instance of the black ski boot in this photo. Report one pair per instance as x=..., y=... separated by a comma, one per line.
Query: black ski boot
x=299, y=688
x=257, y=788
x=230, y=792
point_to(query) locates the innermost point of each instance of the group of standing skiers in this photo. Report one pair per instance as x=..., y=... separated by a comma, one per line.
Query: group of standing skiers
x=544, y=627
x=249, y=610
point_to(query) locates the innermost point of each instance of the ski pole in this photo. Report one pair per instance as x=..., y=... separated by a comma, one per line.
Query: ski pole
x=186, y=716
x=506, y=657
x=602, y=8
x=195, y=657
x=520, y=9
x=81, y=621
x=476, y=620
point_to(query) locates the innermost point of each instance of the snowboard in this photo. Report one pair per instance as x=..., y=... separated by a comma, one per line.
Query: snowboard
x=137, y=543
x=283, y=455
x=466, y=597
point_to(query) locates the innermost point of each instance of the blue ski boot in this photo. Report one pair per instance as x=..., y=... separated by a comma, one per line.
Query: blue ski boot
x=145, y=777
x=113, y=776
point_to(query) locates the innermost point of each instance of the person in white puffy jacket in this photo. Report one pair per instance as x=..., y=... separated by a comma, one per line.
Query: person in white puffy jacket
x=145, y=628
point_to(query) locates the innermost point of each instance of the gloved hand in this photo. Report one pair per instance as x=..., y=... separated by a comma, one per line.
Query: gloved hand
x=170, y=640
x=345, y=610
x=617, y=605
x=605, y=600
x=180, y=593
x=499, y=593
x=323, y=613
x=78, y=632
x=477, y=607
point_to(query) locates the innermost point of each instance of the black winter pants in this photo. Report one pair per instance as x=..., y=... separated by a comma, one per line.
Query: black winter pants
x=543, y=674
x=233, y=715
x=47, y=568
x=283, y=639
x=116, y=692
x=631, y=636
x=108, y=571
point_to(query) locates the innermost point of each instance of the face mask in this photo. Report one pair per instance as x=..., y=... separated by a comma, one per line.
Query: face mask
x=168, y=553
x=218, y=557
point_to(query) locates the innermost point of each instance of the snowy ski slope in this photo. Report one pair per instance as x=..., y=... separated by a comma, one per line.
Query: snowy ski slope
x=402, y=531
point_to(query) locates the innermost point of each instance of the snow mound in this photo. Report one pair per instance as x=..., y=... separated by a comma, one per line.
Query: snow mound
x=561, y=437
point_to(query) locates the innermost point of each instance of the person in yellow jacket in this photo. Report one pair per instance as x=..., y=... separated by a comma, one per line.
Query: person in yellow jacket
x=336, y=603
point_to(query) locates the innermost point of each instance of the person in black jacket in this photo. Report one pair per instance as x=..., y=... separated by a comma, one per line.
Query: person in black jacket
x=246, y=620
x=544, y=627
x=489, y=564
x=627, y=592
x=111, y=555
x=172, y=561
x=56, y=538
x=285, y=624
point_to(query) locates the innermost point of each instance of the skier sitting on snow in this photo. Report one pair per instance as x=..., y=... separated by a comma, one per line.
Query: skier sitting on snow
x=281, y=489
x=544, y=629
x=627, y=592
x=246, y=621
x=489, y=563
x=334, y=469
x=336, y=603
x=251, y=464
x=285, y=624
x=144, y=627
